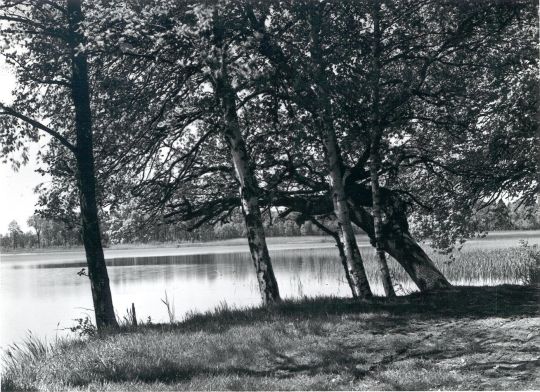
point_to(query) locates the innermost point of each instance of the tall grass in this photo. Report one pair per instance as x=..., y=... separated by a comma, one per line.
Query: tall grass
x=23, y=361
x=487, y=266
x=29, y=351
x=476, y=266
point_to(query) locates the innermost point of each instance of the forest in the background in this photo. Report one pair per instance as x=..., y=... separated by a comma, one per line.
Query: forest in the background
x=132, y=228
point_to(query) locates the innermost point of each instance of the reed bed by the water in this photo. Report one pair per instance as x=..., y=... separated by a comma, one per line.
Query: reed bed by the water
x=475, y=266
x=479, y=263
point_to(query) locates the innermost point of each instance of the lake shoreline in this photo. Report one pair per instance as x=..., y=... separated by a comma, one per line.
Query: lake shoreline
x=242, y=241
x=174, y=244
x=53, y=290
x=463, y=338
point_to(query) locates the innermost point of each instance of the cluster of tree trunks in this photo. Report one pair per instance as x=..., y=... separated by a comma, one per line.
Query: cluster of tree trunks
x=347, y=201
x=325, y=125
x=397, y=241
x=374, y=155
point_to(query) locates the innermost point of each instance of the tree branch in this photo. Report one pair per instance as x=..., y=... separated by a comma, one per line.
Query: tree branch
x=36, y=124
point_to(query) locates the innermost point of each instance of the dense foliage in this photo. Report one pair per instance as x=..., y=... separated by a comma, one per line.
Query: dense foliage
x=406, y=118
x=458, y=96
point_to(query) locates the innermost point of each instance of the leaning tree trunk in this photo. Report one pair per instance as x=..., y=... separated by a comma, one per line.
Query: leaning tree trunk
x=398, y=241
x=249, y=190
x=399, y=244
x=334, y=163
x=249, y=197
x=374, y=158
x=97, y=269
x=341, y=251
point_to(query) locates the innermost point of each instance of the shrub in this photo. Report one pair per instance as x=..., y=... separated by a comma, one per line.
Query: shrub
x=529, y=268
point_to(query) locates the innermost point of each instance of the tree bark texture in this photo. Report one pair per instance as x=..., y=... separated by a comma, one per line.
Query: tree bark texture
x=341, y=209
x=399, y=244
x=342, y=255
x=97, y=269
x=374, y=158
x=411, y=256
x=334, y=163
x=250, y=204
x=378, y=232
x=249, y=190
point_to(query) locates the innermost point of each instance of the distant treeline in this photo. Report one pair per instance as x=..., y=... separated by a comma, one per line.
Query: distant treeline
x=130, y=228
x=512, y=216
x=47, y=233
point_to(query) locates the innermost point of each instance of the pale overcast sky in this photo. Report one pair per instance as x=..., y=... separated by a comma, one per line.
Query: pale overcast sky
x=17, y=199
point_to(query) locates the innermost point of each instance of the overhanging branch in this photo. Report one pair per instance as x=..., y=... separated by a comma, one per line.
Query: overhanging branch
x=36, y=124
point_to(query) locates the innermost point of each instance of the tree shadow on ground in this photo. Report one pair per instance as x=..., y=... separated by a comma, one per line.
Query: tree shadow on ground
x=473, y=302
x=281, y=365
x=458, y=337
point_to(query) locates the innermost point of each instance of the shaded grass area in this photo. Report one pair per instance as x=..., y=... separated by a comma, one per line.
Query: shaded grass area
x=465, y=338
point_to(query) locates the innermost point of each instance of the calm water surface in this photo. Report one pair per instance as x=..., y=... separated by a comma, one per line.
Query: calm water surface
x=43, y=293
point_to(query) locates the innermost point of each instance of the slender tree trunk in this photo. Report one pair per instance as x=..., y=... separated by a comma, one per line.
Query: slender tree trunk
x=268, y=48
x=378, y=232
x=342, y=255
x=341, y=208
x=249, y=190
x=398, y=242
x=250, y=204
x=374, y=158
x=97, y=269
x=335, y=167
x=343, y=259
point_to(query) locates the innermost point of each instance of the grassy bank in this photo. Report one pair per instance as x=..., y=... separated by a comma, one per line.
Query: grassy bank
x=467, y=338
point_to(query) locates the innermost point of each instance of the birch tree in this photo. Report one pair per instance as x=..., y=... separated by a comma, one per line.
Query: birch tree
x=199, y=54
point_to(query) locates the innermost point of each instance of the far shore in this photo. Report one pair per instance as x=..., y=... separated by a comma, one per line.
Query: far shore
x=174, y=244
x=238, y=245
x=235, y=244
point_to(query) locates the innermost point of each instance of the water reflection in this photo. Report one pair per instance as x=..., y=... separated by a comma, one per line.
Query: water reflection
x=39, y=291
x=38, y=295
